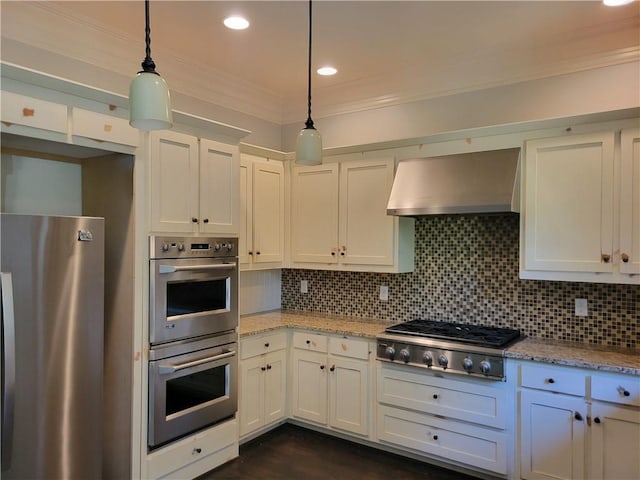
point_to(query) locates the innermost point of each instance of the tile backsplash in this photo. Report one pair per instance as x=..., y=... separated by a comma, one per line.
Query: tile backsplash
x=467, y=271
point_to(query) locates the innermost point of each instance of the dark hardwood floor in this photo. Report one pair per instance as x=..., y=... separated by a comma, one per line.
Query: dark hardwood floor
x=294, y=453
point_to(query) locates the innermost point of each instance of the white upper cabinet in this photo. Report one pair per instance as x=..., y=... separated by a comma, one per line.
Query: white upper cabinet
x=103, y=128
x=21, y=110
x=262, y=232
x=630, y=201
x=339, y=218
x=571, y=209
x=194, y=186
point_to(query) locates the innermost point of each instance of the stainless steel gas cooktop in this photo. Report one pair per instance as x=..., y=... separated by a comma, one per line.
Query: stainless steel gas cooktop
x=475, y=350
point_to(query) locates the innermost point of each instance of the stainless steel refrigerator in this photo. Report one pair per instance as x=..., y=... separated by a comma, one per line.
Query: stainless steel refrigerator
x=52, y=346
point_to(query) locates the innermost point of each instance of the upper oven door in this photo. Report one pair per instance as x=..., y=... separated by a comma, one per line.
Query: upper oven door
x=192, y=297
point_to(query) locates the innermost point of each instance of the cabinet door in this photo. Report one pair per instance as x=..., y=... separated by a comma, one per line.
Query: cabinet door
x=552, y=433
x=314, y=214
x=268, y=212
x=275, y=393
x=568, y=204
x=252, y=399
x=174, y=182
x=348, y=393
x=615, y=442
x=366, y=232
x=245, y=231
x=630, y=202
x=309, y=389
x=219, y=188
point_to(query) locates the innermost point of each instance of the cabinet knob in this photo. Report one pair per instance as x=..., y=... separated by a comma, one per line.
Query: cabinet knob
x=258, y=252
x=435, y=396
x=266, y=345
x=196, y=451
x=263, y=368
x=342, y=254
x=194, y=219
x=550, y=380
x=250, y=252
x=321, y=367
x=625, y=258
x=577, y=416
x=206, y=220
x=623, y=391
x=333, y=254
x=268, y=366
x=606, y=257
x=333, y=368
x=308, y=342
x=596, y=420
x=435, y=437
x=28, y=112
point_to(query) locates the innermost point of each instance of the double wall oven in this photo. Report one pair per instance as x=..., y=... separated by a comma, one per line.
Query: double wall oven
x=193, y=315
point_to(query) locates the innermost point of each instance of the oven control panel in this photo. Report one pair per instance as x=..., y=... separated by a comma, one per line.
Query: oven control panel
x=192, y=247
x=488, y=365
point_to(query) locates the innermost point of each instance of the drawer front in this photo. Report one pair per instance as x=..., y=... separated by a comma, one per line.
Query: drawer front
x=622, y=389
x=253, y=346
x=193, y=449
x=475, y=446
x=310, y=341
x=32, y=112
x=104, y=128
x=349, y=347
x=471, y=401
x=553, y=379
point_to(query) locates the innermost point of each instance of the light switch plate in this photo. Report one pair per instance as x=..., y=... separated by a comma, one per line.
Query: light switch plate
x=304, y=286
x=384, y=293
x=581, y=307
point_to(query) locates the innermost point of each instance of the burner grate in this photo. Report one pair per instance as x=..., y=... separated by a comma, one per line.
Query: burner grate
x=458, y=332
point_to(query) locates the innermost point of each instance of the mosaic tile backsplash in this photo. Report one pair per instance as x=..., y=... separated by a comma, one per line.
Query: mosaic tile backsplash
x=467, y=271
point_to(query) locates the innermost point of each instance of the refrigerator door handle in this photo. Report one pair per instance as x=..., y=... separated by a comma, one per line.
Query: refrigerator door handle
x=9, y=365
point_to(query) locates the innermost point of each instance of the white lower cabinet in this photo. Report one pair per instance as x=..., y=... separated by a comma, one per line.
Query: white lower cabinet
x=330, y=382
x=576, y=424
x=263, y=382
x=465, y=420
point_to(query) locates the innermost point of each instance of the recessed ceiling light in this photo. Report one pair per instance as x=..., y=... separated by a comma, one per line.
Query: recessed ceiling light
x=327, y=71
x=616, y=3
x=236, y=23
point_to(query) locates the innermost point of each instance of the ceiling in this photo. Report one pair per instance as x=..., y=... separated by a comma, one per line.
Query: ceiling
x=386, y=52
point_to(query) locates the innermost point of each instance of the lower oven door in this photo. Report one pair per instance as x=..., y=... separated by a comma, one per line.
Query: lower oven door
x=191, y=391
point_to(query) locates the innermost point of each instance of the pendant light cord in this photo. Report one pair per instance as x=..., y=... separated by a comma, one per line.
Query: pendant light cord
x=147, y=65
x=309, y=122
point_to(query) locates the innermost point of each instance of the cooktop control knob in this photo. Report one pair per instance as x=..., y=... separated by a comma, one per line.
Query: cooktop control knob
x=405, y=355
x=165, y=247
x=467, y=364
x=217, y=247
x=427, y=358
x=390, y=352
x=181, y=247
x=485, y=367
x=443, y=361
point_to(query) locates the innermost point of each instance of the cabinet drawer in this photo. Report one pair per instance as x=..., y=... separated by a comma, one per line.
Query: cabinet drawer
x=33, y=112
x=553, y=379
x=193, y=449
x=252, y=346
x=104, y=128
x=621, y=389
x=310, y=341
x=476, y=446
x=471, y=401
x=349, y=347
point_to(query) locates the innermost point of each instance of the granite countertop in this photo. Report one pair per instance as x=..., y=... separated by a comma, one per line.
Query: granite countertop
x=595, y=357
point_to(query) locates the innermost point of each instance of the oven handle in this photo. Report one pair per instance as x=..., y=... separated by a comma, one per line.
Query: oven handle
x=165, y=369
x=186, y=268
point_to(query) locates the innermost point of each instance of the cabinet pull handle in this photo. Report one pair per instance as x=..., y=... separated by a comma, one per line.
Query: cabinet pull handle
x=196, y=451
x=550, y=380
x=623, y=391
x=435, y=437
x=333, y=254
x=28, y=112
x=435, y=396
x=308, y=342
x=606, y=257
x=596, y=420
x=206, y=220
x=625, y=258
x=250, y=252
x=578, y=416
x=342, y=254
x=333, y=367
x=266, y=345
x=268, y=366
x=258, y=252
x=263, y=368
x=321, y=367
x=194, y=219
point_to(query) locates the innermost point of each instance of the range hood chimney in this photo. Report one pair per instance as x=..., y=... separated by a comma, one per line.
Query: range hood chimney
x=479, y=182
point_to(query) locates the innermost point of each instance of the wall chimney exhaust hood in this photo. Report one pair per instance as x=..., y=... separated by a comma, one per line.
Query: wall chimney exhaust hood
x=478, y=182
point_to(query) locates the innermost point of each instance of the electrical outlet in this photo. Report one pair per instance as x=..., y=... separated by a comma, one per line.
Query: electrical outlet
x=304, y=286
x=384, y=293
x=581, y=307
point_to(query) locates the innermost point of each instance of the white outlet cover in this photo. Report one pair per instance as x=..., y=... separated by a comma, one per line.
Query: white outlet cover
x=304, y=286
x=384, y=293
x=581, y=307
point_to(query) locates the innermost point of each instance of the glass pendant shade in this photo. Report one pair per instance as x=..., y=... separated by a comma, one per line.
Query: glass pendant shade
x=309, y=147
x=149, y=102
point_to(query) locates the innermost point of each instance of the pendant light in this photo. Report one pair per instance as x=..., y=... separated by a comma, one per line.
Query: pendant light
x=309, y=143
x=149, y=99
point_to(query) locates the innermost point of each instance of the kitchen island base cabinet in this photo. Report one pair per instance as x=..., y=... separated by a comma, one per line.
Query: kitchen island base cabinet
x=196, y=454
x=331, y=382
